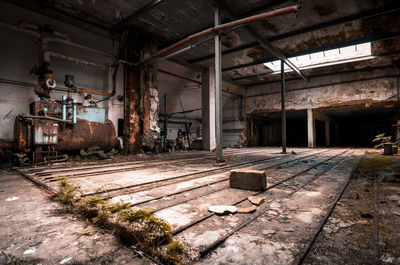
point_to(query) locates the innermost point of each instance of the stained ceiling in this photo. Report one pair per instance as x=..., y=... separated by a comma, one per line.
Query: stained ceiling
x=318, y=25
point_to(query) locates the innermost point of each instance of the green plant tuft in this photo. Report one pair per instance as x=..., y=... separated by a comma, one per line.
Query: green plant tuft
x=381, y=139
x=68, y=193
x=151, y=234
x=174, y=253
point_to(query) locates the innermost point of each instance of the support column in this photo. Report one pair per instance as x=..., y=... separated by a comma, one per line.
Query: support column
x=151, y=131
x=132, y=101
x=311, y=129
x=283, y=107
x=327, y=134
x=208, y=109
x=218, y=88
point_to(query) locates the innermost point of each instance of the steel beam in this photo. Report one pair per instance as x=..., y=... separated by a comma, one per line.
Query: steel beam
x=283, y=107
x=321, y=48
x=218, y=88
x=144, y=9
x=165, y=124
x=265, y=44
x=358, y=16
x=219, y=28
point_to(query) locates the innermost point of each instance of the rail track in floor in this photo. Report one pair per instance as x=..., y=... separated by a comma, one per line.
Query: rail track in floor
x=191, y=176
x=208, y=184
x=302, y=257
x=206, y=250
x=209, y=215
x=57, y=170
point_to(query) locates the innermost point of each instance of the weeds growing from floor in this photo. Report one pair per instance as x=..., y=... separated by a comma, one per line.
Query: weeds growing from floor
x=150, y=234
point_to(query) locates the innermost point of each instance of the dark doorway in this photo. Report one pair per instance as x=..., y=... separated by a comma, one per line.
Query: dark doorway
x=120, y=127
x=320, y=133
x=357, y=126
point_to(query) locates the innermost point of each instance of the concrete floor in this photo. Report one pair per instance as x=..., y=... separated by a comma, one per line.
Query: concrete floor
x=34, y=227
x=179, y=187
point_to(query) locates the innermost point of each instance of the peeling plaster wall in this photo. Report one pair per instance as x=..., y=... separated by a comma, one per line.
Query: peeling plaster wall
x=19, y=52
x=321, y=94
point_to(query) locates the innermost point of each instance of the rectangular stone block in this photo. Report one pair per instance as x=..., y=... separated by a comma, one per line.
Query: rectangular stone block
x=247, y=179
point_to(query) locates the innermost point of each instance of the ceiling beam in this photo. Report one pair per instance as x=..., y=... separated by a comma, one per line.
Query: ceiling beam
x=265, y=6
x=144, y=9
x=57, y=14
x=378, y=37
x=361, y=70
x=362, y=15
x=265, y=44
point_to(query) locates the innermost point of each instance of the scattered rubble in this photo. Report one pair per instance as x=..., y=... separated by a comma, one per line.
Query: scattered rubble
x=335, y=225
x=30, y=251
x=268, y=232
x=256, y=200
x=222, y=209
x=250, y=209
x=12, y=199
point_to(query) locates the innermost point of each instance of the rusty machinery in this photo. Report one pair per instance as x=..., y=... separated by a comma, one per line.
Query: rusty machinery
x=54, y=127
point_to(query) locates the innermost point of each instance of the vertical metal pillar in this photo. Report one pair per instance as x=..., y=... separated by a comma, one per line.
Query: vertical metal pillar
x=283, y=107
x=218, y=89
x=165, y=123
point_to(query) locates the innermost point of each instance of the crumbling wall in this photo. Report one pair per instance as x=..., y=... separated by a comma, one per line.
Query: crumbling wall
x=320, y=93
x=132, y=102
x=151, y=131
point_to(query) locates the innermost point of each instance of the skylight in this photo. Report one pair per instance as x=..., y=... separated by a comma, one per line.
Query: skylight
x=342, y=55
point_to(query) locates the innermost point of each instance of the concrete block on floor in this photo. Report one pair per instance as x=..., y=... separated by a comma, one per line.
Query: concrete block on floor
x=248, y=179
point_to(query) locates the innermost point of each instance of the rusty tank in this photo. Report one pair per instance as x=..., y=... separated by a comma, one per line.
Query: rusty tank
x=62, y=127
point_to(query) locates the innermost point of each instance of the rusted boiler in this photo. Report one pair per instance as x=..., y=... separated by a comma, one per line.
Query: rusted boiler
x=62, y=126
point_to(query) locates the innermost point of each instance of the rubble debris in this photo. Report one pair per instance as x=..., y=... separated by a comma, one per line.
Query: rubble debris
x=256, y=200
x=394, y=198
x=366, y=215
x=250, y=209
x=274, y=205
x=387, y=258
x=30, y=251
x=248, y=179
x=12, y=199
x=149, y=139
x=65, y=260
x=268, y=232
x=222, y=209
x=289, y=230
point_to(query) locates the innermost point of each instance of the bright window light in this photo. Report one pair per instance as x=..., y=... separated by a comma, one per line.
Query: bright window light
x=342, y=55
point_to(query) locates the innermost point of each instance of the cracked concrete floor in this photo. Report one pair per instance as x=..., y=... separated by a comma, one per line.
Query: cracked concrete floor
x=34, y=227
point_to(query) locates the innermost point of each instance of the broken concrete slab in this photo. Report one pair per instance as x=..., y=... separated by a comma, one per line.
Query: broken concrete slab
x=248, y=179
x=268, y=232
x=222, y=209
x=256, y=200
x=247, y=209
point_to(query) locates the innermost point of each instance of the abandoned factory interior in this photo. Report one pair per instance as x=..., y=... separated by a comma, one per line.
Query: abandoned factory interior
x=200, y=132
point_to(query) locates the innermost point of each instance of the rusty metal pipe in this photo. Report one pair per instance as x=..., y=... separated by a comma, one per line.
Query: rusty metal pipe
x=286, y=10
x=94, y=92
